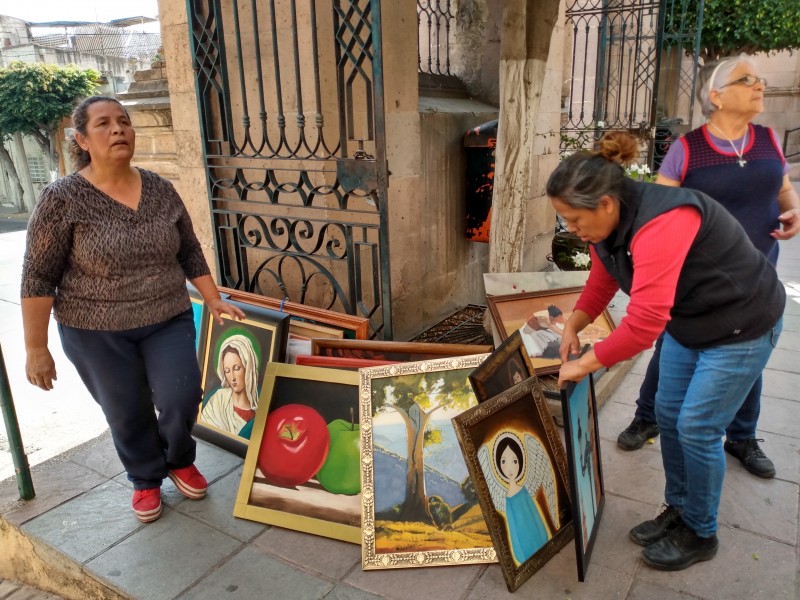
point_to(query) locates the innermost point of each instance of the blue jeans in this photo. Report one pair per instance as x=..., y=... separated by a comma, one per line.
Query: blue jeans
x=743, y=426
x=699, y=392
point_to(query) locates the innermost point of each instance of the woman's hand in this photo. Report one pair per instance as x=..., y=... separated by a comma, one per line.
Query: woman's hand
x=790, y=225
x=575, y=370
x=40, y=368
x=219, y=307
x=570, y=344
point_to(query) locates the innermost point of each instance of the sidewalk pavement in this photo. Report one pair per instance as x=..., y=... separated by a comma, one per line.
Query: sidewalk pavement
x=79, y=539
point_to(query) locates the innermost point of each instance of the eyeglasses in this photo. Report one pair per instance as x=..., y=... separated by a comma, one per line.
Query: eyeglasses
x=748, y=80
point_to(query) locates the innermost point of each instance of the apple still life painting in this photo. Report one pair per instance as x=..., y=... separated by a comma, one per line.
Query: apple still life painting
x=419, y=503
x=303, y=468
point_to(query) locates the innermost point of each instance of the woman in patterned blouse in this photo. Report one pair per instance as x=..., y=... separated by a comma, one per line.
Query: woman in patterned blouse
x=109, y=250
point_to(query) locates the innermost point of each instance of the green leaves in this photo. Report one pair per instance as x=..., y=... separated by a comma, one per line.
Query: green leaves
x=35, y=97
x=734, y=26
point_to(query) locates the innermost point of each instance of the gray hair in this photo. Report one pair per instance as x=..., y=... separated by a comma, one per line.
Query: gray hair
x=714, y=75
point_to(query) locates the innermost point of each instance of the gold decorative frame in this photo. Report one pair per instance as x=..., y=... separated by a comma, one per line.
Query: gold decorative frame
x=379, y=378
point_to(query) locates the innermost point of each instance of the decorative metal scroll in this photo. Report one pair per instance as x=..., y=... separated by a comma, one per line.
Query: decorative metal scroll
x=290, y=96
x=618, y=49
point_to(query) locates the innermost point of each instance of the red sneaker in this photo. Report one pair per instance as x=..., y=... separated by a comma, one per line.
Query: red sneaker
x=189, y=482
x=147, y=504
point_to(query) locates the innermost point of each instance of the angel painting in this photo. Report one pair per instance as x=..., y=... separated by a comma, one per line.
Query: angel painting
x=521, y=482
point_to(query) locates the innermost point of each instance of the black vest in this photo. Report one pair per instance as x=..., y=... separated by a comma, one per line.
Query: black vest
x=727, y=291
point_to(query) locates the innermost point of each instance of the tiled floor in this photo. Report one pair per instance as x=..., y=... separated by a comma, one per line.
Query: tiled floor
x=197, y=550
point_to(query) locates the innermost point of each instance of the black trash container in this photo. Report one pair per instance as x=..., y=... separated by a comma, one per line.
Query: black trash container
x=479, y=146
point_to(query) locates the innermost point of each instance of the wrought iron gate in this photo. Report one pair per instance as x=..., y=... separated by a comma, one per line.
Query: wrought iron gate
x=290, y=96
x=620, y=50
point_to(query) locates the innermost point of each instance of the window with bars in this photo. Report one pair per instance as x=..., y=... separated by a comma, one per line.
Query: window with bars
x=38, y=170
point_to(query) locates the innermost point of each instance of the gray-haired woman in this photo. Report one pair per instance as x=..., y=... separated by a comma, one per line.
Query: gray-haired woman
x=741, y=166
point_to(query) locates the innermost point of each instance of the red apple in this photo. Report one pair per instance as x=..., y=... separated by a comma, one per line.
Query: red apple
x=295, y=445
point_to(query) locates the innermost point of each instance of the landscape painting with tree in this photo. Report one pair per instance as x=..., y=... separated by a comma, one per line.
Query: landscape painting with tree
x=419, y=505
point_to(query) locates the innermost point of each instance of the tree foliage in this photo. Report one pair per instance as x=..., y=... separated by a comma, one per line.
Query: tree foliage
x=35, y=98
x=741, y=26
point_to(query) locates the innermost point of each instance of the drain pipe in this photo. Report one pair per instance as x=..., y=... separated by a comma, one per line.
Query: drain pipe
x=21, y=467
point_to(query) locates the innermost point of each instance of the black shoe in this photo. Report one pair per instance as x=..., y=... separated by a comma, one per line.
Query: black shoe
x=637, y=433
x=681, y=548
x=751, y=456
x=651, y=531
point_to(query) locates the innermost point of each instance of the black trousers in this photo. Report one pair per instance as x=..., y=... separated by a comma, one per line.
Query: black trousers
x=133, y=373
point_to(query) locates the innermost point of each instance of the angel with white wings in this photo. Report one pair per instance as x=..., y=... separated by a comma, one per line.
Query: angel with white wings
x=521, y=482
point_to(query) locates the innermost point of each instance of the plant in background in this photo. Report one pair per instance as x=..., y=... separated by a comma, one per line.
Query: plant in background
x=640, y=172
x=575, y=259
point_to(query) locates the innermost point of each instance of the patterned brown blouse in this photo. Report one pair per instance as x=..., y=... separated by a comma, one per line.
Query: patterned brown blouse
x=109, y=267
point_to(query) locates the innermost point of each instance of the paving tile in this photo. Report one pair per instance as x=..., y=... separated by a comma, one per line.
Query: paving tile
x=612, y=418
x=54, y=482
x=641, y=362
x=252, y=574
x=345, y=592
x=101, y=457
x=161, y=560
x=764, y=506
x=783, y=360
x=557, y=580
x=779, y=416
x=643, y=590
x=791, y=323
x=783, y=451
x=88, y=524
x=746, y=566
x=216, y=509
x=405, y=584
x=789, y=340
x=628, y=391
x=638, y=475
x=331, y=558
x=613, y=548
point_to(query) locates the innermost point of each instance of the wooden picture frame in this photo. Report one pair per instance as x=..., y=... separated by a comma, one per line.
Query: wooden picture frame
x=338, y=362
x=506, y=367
x=528, y=511
x=585, y=466
x=200, y=314
x=529, y=313
x=303, y=329
x=352, y=326
x=393, y=351
x=260, y=338
x=277, y=485
x=418, y=510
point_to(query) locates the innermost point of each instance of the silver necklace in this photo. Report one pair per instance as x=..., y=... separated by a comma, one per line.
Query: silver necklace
x=738, y=151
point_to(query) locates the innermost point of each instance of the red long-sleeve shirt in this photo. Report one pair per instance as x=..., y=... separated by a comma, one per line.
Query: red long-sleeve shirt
x=658, y=251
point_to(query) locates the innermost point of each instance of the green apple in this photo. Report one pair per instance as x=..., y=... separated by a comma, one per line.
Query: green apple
x=341, y=472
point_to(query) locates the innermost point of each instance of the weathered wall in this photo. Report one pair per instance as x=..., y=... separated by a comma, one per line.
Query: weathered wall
x=190, y=179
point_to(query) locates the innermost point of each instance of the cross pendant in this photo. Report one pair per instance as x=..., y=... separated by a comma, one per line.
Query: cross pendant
x=742, y=162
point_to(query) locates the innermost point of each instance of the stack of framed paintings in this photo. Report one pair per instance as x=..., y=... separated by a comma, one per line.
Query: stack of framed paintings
x=351, y=326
